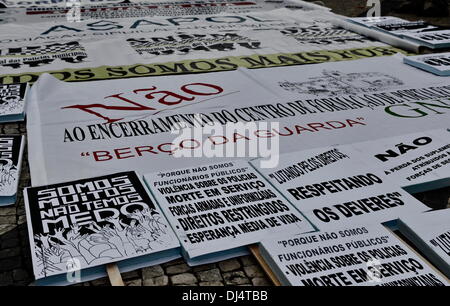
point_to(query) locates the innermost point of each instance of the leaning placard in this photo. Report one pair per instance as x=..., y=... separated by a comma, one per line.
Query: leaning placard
x=77, y=227
x=11, y=152
x=417, y=162
x=438, y=64
x=332, y=188
x=430, y=232
x=365, y=255
x=217, y=210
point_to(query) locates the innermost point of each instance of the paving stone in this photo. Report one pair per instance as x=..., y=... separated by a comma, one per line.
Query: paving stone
x=20, y=275
x=6, y=278
x=10, y=243
x=5, y=228
x=101, y=282
x=254, y=271
x=151, y=272
x=235, y=278
x=8, y=219
x=6, y=253
x=184, y=279
x=177, y=269
x=210, y=284
x=131, y=275
x=157, y=281
x=204, y=267
x=134, y=283
x=261, y=281
x=9, y=264
x=173, y=262
x=248, y=260
x=8, y=211
x=210, y=275
x=229, y=265
x=21, y=220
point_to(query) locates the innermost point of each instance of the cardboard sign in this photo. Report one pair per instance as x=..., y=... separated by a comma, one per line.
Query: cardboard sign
x=11, y=152
x=365, y=255
x=80, y=226
x=430, y=232
x=220, y=208
x=438, y=64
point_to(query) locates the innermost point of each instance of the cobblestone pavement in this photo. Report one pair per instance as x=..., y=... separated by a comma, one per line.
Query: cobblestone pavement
x=15, y=256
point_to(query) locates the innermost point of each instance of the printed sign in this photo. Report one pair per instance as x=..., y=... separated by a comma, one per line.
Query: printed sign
x=11, y=151
x=221, y=207
x=417, y=162
x=12, y=102
x=85, y=51
x=438, y=64
x=93, y=222
x=146, y=141
x=332, y=188
x=430, y=232
x=366, y=255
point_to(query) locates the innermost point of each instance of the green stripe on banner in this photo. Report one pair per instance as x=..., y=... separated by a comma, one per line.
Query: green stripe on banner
x=254, y=61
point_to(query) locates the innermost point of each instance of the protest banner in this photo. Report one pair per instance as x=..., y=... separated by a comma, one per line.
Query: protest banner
x=77, y=227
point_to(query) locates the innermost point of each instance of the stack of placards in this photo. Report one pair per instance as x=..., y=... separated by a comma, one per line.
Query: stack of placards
x=77, y=227
x=438, y=64
x=12, y=102
x=366, y=255
x=419, y=31
x=11, y=152
x=430, y=232
x=217, y=210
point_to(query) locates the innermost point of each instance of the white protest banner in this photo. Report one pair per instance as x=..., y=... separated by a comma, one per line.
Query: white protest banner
x=110, y=10
x=115, y=100
x=92, y=222
x=66, y=147
x=320, y=83
x=438, y=64
x=186, y=44
x=417, y=162
x=430, y=232
x=221, y=207
x=365, y=255
x=53, y=3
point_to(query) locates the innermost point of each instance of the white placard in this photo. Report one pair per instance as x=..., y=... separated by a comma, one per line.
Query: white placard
x=220, y=207
x=365, y=255
x=430, y=232
x=332, y=188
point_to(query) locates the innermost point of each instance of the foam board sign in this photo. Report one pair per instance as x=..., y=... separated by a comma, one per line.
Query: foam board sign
x=11, y=153
x=222, y=207
x=417, y=162
x=365, y=255
x=438, y=64
x=12, y=102
x=332, y=188
x=430, y=232
x=75, y=228
x=72, y=134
